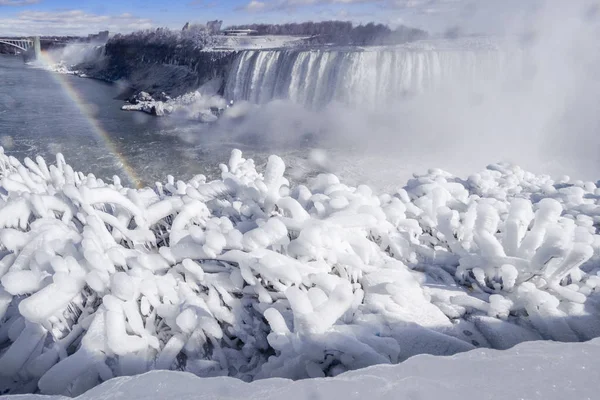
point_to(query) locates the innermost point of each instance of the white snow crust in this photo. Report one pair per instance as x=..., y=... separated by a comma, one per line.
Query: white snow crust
x=535, y=370
x=254, y=277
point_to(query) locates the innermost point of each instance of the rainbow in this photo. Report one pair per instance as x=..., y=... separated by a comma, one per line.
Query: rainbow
x=88, y=113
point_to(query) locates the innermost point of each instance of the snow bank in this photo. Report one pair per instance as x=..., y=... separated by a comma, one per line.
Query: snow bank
x=252, y=277
x=540, y=370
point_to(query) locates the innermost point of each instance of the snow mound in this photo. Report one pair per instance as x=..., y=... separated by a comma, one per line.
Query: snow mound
x=253, y=277
x=538, y=370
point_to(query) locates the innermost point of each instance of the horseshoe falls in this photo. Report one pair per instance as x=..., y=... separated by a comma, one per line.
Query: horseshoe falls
x=361, y=78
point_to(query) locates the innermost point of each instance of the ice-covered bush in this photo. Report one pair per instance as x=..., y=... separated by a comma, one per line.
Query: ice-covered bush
x=518, y=242
x=252, y=276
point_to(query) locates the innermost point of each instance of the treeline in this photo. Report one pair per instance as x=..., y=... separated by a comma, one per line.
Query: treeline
x=197, y=36
x=340, y=32
x=299, y=29
x=193, y=37
x=156, y=52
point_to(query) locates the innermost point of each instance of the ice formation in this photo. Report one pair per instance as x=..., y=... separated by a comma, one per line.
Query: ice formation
x=193, y=105
x=62, y=68
x=252, y=276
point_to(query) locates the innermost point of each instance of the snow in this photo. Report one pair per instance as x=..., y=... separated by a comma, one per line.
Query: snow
x=65, y=60
x=538, y=370
x=61, y=68
x=237, y=43
x=192, y=106
x=254, y=277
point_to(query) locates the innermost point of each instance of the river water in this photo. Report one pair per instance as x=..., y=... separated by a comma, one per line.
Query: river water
x=42, y=113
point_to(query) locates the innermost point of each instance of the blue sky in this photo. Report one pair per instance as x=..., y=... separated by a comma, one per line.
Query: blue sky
x=29, y=17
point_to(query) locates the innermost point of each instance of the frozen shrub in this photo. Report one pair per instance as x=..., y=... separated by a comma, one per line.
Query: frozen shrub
x=252, y=277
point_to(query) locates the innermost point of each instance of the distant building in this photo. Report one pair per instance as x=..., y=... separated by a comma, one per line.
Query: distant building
x=239, y=32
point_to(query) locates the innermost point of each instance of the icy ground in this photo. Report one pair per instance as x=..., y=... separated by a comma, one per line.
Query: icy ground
x=253, y=276
x=538, y=370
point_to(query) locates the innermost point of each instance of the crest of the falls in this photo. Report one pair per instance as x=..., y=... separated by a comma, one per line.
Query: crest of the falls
x=358, y=77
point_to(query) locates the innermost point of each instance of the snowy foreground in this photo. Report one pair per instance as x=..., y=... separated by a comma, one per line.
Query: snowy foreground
x=537, y=370
x=253, y=277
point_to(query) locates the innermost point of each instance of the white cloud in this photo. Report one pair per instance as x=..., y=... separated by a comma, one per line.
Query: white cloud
x=17, y=2
x=411, y=6
x=278, y=5
x=255, y=5
x=72, y=22
x=471, y=16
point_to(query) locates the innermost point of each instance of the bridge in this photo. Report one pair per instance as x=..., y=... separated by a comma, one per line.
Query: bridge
x=31, y=46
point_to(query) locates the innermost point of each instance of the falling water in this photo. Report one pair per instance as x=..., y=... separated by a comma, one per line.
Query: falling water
x=355, y=77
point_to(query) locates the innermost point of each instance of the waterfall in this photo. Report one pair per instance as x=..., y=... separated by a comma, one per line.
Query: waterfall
x=356, y=77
